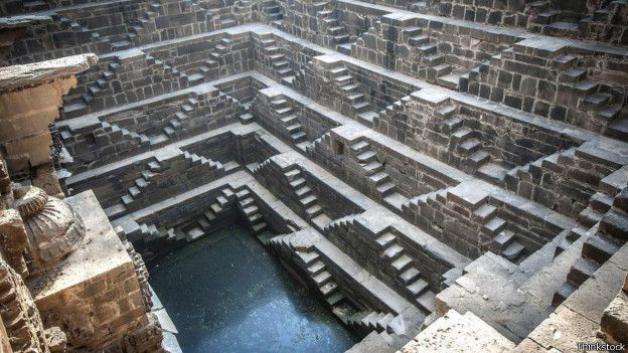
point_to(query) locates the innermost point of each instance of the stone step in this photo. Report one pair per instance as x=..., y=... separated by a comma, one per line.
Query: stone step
x=581, y=271
x=373, y=167
x=297, y=183
x=329, y=289
x=504, y=239
x=495, y=225
x=426, y=301
x=386, y=239
x=209, y=215
x=479, y=158
x=322, y=278
x=380, y=178
x=308, y=200
x=386, y=189
x=589, y=216
x=409, y=275
x=469, y=146
x=393, y=252
x=419, y=40
x=565, y=290
x=368, y=156
x=402, y=263
x=314, y=211
x=303, y=192
x=441, y=69
x=596, y=101
x=514, y=251
x=417, y=287
x=600, y=248
x=194, y=234
x=316, y=267
x=259, y=227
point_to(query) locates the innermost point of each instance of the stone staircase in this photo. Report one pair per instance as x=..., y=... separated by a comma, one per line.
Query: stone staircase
x=465, y=142
x=148, y=232
x=547, y=20
x=599, y=204
x=201, y=71
x=140, y=184
x=289, y=121
x=376, y=173
x=223, y=17
x=321, y=277
x=140, y=140
x=248, y=207
x=368, y=320
x=77, y=107
x=416, y=288
x=593, y=96
x=82, y=33
x=308, y=201
x=611, y=234
x=350, y=91
x=505, y=241
x=176, y=122
x=277, y=60
x=272, y=10
x=431, y=61
x=332, y=27
x=203, y=224
x=544, y=19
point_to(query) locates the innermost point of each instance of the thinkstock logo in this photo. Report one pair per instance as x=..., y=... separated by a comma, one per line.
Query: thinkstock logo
x=600, y=347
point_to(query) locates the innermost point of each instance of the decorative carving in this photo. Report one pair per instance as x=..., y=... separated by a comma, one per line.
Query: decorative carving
x=145, y=340
x=140, y=269
x=14, y=240
x=53, y=229
x=19, y=313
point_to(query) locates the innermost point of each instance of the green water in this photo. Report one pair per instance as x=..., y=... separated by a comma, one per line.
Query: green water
x=226, y=294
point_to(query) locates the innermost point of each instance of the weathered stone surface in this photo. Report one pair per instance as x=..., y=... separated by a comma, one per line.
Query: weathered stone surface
x=29, y=75
x=456, y=333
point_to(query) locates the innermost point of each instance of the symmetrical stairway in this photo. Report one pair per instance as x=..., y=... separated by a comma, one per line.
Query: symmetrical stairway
x=203, y=224
x=432, y=64
x=141, y=183
x=350, y=90
x=272, y=10
x=466, y=144
x=367, y=320
x=78, y=107
x=307, y=199
x=416, y=287
x=277, y=60
x=333, y=28
x=289, y=121
x=246, y=204
x=376, y=173
x=321, y=277
x=504, y=240
x=609, y=237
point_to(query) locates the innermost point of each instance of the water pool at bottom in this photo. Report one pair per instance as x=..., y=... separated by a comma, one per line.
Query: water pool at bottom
x=227, y=294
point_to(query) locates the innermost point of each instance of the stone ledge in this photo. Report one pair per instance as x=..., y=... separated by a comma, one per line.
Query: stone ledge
x=20, y=76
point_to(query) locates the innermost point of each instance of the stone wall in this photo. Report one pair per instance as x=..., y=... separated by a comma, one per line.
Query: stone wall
x=430, y=49
x=472, y=219
x=561, y=82
x=138, y=128
x=470, y=137
x=595, y=20
x=109, y=27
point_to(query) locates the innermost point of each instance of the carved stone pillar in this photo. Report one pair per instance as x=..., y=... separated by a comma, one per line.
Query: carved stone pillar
x=29, y=99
